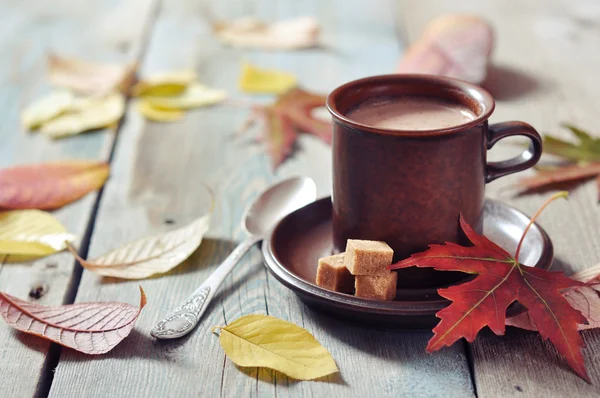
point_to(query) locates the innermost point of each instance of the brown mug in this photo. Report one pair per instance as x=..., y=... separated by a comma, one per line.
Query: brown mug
x=407, y=188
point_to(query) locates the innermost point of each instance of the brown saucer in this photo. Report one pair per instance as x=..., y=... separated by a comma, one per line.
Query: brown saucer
x=292, y=249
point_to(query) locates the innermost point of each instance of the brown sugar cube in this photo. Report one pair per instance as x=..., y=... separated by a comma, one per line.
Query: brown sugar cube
x=379, y=287
x=333, y=275
x=368, y=257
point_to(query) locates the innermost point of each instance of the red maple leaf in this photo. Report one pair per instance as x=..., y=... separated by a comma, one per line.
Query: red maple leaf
x=501, y=280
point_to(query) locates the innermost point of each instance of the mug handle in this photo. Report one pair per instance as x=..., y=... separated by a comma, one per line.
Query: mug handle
x=527, y=159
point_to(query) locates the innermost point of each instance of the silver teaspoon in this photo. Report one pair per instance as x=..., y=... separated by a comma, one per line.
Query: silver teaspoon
x=259, y=218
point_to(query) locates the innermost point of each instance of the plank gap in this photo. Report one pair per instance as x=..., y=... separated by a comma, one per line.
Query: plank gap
x=53, y=357
x=47, y=374
x=471, y=364
x=84, y=247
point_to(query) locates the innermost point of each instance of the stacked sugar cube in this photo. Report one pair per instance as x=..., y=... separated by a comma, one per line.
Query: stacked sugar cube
x=362, y=268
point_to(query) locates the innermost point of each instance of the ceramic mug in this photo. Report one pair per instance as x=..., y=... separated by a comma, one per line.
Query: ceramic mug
x=407, y=188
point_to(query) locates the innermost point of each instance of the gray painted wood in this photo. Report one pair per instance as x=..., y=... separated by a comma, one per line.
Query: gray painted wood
x=544, y=74
x=28, y=30
x=546, y=79
x=157, y=172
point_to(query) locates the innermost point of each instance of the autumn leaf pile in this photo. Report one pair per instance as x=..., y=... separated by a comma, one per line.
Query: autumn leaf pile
x=91, y=96
x=28, y=233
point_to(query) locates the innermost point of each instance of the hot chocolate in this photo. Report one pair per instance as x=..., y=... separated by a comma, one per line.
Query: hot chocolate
x=406, y=184
x=412, y=113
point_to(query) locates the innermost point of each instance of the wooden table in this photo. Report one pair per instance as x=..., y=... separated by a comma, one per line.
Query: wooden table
x=545, y=71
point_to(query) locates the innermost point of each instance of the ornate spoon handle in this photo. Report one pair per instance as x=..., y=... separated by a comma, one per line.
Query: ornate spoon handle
x=184, y=318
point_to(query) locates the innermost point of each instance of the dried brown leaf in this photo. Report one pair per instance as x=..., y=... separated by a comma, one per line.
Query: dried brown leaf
x=583, y=158
x=89, y=78
x=559, y=175
x=151, y=255
x=279, y=134
x=91, y=328
x=589, y=275
x=456, y=45
x=287, y=117
x=584, y=299
x=288, y=34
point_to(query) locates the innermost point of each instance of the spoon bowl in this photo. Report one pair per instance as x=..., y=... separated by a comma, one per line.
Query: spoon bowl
x=259, y=218
x=277, y=202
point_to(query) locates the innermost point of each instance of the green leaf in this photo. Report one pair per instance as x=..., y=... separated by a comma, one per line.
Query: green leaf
x=587, y=150
x=265, y=341
x=583, y=136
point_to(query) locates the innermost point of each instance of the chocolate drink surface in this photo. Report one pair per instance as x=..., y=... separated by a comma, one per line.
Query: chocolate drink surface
x=411, y=113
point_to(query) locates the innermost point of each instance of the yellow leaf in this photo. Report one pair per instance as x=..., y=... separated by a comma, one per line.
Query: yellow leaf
x=166, y=83
x=256, y=80
x=46, y=108
x=151, y=255
x=288, y=34
x=195, y=95
x=89, y=78
x=82, y=103
x=91, y=114
x=157, y=114
x=32, y=233
x=265, y=341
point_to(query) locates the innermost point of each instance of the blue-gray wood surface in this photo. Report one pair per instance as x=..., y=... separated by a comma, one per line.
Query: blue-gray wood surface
x=545, y=72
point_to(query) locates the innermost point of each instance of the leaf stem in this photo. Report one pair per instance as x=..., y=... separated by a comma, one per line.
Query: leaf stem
x=561, y=194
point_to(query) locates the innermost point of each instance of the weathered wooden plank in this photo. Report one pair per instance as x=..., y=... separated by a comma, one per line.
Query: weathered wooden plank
x=544, y=74
x=157, y=172
x=28, y=30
